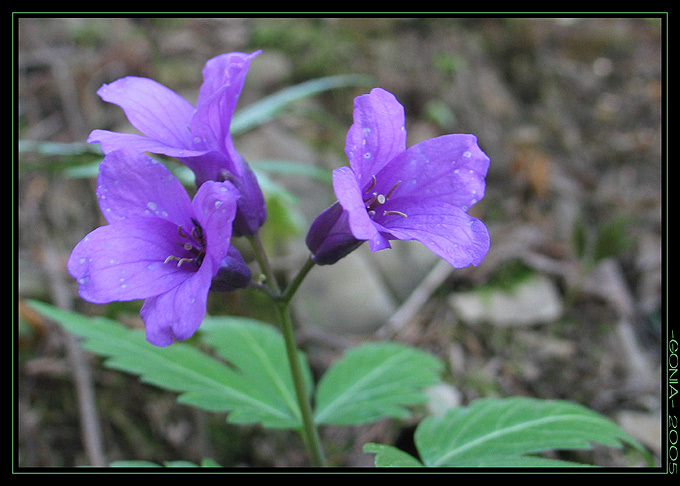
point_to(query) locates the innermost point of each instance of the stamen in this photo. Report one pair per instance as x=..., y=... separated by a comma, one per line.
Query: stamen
x=182, y=260
x=372, y=184
x=398, y=213
x=197, y=232
x=179, y=260
x=389, y=194
x=195, y=245
x=181, y=233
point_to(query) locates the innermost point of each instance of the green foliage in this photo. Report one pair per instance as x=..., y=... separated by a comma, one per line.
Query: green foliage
x=372, y=381
x=505, y=433
x=257, y=349
x=201, y=380
x=388, y=456
x=610, y=238
x=83, y=159
x=284, y=217
x=270, y=107
x=246, y=375
x=251, y=379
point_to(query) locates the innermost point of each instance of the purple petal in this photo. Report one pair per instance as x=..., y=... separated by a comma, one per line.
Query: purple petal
x=215, y=207
x=349, y=196
x=177, y=313
x=450, y=168
x=377, y=135
x=134, y=185
x=444, y=229
x=111, y=141
x=223, y=79
x=215, y=166
x=208, y=166
x=156, y=111
x=252, y=210
x=125, y=261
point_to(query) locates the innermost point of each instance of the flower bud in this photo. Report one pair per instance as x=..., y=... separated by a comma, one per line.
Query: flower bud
x=330, y=238
x=233, y=274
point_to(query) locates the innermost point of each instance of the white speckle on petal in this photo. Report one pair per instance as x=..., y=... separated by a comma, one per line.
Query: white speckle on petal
x=467, y=154
x=151, y=205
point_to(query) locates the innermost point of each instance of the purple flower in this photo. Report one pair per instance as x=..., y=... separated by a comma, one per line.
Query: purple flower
x=390, y=192
x=198, y=136
x=158, y=245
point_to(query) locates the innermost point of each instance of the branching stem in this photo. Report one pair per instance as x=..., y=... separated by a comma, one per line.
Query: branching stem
x=282, y=300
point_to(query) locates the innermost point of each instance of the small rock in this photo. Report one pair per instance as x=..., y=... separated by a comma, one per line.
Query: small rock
x=442, y=397
x=534, y=301
x=645, y=427
x=347, y=297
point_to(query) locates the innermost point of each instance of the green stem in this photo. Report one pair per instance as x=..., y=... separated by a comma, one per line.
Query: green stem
x=282, y=299
x=309, y=431
x=263, y=261
x=288, y=294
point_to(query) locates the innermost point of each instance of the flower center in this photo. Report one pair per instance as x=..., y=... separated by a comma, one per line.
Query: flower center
x=375, y=200
x=193, y=244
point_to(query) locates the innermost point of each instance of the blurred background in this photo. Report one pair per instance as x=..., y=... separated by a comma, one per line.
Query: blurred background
x=566, y=305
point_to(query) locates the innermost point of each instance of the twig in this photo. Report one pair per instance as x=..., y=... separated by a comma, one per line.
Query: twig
x=418, y=298
x=89, y=417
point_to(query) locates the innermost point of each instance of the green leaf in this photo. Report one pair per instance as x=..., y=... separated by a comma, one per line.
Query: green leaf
x=373, y=381
x=293, y=168
x=388, y=456
x=268, y=108
x=285, y=220
x=258, y=350
x=134, y=463
x=201, y=380
x=504, y=432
